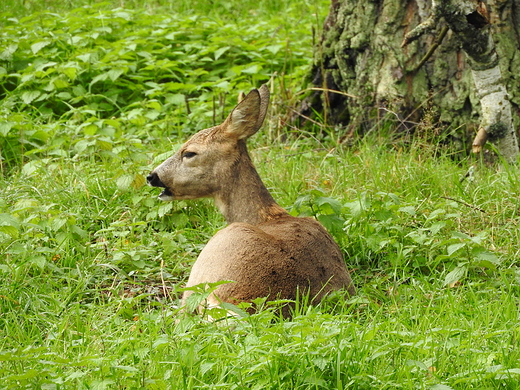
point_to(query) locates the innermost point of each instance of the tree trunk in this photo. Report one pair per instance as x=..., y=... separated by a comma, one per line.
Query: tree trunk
x=436, y=73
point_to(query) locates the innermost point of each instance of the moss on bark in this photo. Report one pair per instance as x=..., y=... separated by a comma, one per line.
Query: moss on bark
x=360, y=53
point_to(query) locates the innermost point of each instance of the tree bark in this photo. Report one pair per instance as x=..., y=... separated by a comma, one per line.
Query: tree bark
x=360, y=53
x=470, y=21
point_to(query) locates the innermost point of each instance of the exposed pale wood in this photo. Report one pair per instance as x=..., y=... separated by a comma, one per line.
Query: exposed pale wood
x=479, y=141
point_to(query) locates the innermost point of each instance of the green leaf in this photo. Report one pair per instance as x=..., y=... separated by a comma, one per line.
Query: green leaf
x=164, y=209
x=39, y=261
x=64, y=96
x=85, y=57
x=78, y=90
x=410, y=210
x=139, y=181
x=31, y=167
x=40, y=135
x=162, y=340
x=358, y=207
x=224, y=85
x=123, y=15
x=114, y=74
x=57, y=223
x=328, y=205
x=221, y=51
x=418, y=237
x=455, y=247
x=115, y=123
x=36, y=47
x=274, y=48
x=200, y=293
x=484, y=258
x=154, y=104
x=90, y=129
x=82, y=145
x=253, y=69
x=10, y=231
x=7, y=54
x=205, y=367
x=436, y=227
x=175, y=99
x=454, y=276
x=332, y=222
x=436, y=213
x=70, y=72
x=104, y=144
x=180, y=220
x=5, y=127
x=29, y=96
x=60, y=84
x=462, y=236
x=99, y=77
x=125, y=181
x=234, y=309
x=483, y=254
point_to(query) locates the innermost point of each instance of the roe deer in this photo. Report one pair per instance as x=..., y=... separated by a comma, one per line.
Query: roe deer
x=264, y=251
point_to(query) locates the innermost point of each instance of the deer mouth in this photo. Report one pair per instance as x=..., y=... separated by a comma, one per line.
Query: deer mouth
x=154, y=181
x=166, y=195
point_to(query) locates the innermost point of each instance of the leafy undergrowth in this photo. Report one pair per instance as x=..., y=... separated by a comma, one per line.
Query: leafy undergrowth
x=99, y=73
x=92, y=264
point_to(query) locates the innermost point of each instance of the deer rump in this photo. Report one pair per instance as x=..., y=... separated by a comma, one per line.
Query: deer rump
x=275, y=259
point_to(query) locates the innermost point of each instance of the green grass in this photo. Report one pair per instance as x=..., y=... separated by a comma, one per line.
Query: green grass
x=91, y=263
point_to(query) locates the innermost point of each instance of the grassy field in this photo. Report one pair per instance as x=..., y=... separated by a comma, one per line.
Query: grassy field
x=92, y=264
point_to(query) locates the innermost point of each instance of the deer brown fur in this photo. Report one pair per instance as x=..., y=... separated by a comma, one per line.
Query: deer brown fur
x=264, y=251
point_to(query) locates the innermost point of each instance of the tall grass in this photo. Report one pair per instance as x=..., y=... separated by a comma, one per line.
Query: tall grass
x=91, y=264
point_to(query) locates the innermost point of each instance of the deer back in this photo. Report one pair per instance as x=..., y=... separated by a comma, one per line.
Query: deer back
x=278, y=259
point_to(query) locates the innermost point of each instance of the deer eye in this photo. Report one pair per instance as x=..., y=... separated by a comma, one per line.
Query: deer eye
x=189, y=154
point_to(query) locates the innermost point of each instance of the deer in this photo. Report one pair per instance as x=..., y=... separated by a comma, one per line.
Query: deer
x=263, y=251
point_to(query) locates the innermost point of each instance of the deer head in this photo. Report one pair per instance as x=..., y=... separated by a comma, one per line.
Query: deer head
x=215, y=163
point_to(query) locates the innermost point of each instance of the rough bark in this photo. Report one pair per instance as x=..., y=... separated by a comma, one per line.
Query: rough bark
x=471, y=23
x=360, y=53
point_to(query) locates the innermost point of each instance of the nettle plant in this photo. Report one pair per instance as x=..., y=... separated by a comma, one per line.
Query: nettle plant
x=380, y=230
x=98, y=71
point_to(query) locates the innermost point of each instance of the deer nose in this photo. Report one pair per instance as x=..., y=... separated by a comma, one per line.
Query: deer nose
x=154, y=181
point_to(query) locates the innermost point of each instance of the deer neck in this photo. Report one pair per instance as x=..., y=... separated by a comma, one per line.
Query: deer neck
x=247, y=199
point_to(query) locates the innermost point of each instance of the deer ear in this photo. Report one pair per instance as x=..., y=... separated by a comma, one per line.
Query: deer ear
x=247, y=117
